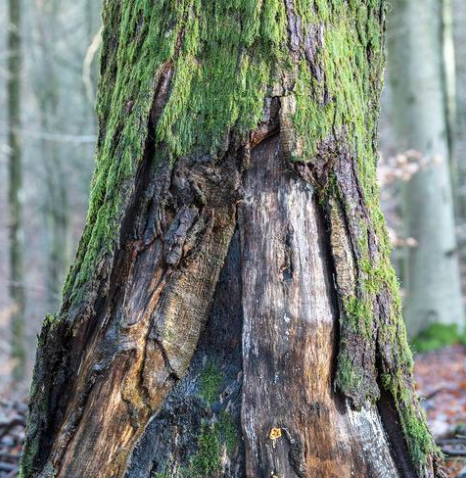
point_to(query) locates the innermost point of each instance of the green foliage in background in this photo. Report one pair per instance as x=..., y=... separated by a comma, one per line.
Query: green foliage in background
x=437, y=336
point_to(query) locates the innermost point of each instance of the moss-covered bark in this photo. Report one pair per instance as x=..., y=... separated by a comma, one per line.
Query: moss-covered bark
x=188, y=90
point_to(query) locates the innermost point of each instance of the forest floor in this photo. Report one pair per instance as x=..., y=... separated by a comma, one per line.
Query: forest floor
x=441, y=384
x=13, y=410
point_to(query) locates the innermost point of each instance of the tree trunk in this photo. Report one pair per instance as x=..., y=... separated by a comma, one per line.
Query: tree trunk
x=432, y=279
x=449, y=83
x=459, y=31
x=56, y=210
x=232, y=307
x=15, y=184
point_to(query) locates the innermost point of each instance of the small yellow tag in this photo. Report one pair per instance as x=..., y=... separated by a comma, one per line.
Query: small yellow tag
x=275, y=433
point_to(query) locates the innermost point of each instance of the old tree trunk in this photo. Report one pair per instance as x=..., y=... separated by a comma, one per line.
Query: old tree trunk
x=232, y=310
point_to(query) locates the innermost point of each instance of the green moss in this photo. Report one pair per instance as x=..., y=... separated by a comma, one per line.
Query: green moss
x=397, y=379
x=344, y=104
x=51, y=320
x=236, y=46
x=230, y=52
x=161, y=474
x=437, y=336
x=206, y=461
x=210, y=381
x=420, y=441
x=373, y=278
x=124, y=102
x=341, y=103
x=27, y=460
x=47, y=472
x=359, y=316
x=228, y=431
x=348, y=377
x=418, y=438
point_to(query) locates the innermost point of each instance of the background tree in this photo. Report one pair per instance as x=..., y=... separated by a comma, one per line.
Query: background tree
x=459, y=20
x=56, y=139
x=56, y=208
x=235, y=174
x=15, y=186
x=420, y=106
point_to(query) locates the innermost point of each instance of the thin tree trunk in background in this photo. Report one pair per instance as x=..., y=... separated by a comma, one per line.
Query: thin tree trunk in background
x=17, y=291
x=56, y=208
x=459, y=20
x=89, y=9
x=56, y=219
x=449, y=80
x=90, y=66
x=432, y=277
x=232, y=307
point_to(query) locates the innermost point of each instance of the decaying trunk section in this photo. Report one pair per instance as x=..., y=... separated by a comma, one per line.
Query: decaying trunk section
x=232, y=310
x=290, y=322
x=258, y=399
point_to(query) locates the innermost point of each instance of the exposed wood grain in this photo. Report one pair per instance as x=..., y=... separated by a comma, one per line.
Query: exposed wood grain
x=289, y=338
x=152, y=327
x=207, y=401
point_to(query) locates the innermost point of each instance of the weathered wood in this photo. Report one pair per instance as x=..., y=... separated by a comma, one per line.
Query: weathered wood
x=290, y=324
x=278, y=290
x=146, y=331
x=198, y=430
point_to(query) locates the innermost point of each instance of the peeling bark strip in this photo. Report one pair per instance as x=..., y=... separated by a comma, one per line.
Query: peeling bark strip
x=259, y=117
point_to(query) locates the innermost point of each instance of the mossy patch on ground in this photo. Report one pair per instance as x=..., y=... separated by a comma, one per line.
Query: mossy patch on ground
x=437, y=336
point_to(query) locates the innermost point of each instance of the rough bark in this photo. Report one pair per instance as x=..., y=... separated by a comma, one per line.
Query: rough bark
x=15, y=184
x=232, y=307
x=417, y=75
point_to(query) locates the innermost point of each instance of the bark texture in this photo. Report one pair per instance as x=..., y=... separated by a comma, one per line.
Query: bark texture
x=421, y=106
x=232, y=307
x=15, y=184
